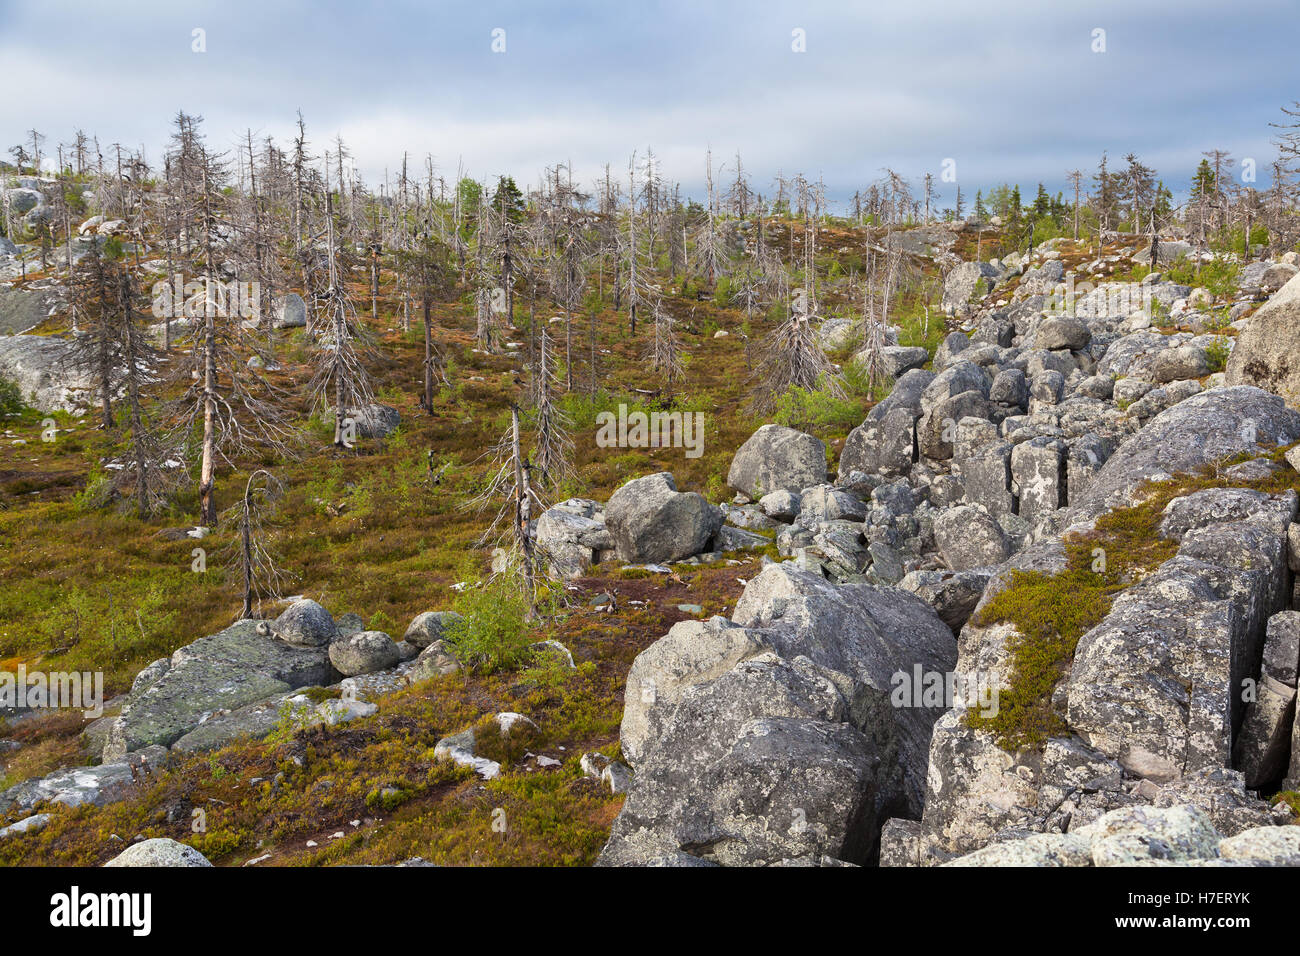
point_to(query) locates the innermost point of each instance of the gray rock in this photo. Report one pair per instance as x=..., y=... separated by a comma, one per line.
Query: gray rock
x=1097, y=386
x=375, y=420
x=880, y=446
x=22, y=309
x=219, y=673
x=828, y=503
x=305, y=623
x=290, y=312
x=1177, y=364
x=968, y=537
x=937, y=428
x=782, y=505
x=159, y=851
x=738, y=539
x=754, y=767
x=987, y=478
x=651, y=521
x=906, y=393
x=777, y=458
x=436, y=660
x=1036, y=478
x=1062, y=332
x=430, y=626
x=98, y=786
x=865, y=632
x=1272, y=846
x=692, y=652
x=252, y=721
x=1263, y=745
x=43, y=368
x=1047, y=388
x=1010, y=388
x=897, y=359
x=952, y=594
x=364, y=653
x=964, y=284
x=1208, y=427
x=569, y=535
x=33, y=824
x=1264, y=354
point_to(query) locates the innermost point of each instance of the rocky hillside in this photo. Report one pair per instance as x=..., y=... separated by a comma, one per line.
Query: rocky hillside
x=1021, y=593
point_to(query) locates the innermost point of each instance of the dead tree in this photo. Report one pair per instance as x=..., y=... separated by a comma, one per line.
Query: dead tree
x=339, y=348
x=554, y=446
x=96, y=347
x=664, y=352
x=791, y=357
x=231, y=406
x=424, y=270
x=249, y=560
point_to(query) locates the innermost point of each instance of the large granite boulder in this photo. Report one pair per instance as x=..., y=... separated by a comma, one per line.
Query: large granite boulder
x=1267, y=352
x=651, y=521
x=776, y=458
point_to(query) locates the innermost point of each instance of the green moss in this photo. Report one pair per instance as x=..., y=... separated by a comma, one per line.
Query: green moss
x=1050, y=612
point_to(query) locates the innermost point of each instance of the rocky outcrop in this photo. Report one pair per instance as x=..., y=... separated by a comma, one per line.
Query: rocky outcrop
x=222, y=672
x=1267, y=352
x=43, y=369
x=772, y=737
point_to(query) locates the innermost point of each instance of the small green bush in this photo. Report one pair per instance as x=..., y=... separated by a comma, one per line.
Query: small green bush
x=11, y=399
x=493, y=634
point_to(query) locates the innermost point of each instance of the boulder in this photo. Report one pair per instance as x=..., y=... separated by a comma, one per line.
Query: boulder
x=1263, y=746
x=364, y=653
x=1062, y=332
x=652, y=522
x=305, y=623
x=969, y=537
x=1266, y=353
x=43, y=368
x=966, y=283
x=692, y=652
x=221, y=672
x=754, y=767
x=22, y=309
x=570, y=536
x=867, y=633
x=160, y=851
x=777, y=458
x=429, y=626
x=375, y=420
x=290, y=312
x=952, y=594
x=436, y=660
x=75, y=786
x=781, y=505
x=880, y=446
x=1216, y=424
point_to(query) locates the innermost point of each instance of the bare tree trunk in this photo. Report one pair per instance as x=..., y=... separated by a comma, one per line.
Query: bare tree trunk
x=523, y=509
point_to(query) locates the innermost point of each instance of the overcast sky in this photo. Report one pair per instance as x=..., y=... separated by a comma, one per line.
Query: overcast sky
x=1010, y=91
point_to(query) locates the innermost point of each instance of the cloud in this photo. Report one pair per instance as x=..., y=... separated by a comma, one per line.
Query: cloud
x=1011, y=93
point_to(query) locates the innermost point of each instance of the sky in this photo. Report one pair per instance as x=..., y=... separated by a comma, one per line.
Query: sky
x=985, y=92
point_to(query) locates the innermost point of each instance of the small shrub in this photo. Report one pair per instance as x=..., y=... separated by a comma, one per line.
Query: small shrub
x=11, y=399
x=493, y=634
x=1217, y=353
